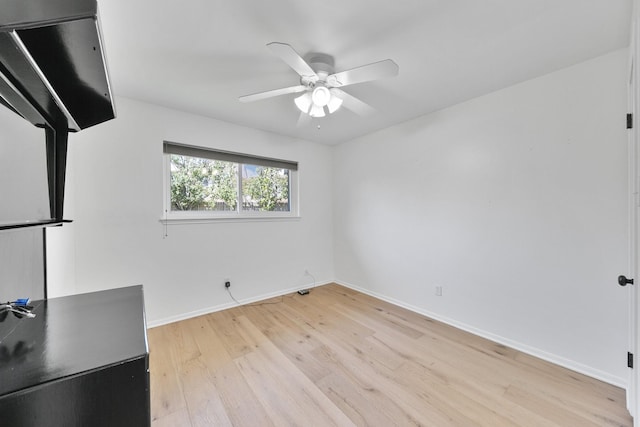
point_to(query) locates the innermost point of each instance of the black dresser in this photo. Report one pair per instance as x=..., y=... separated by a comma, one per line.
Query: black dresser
x=83, y=361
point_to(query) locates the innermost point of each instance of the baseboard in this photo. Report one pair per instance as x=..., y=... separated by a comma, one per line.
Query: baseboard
x=220, y=307
x=549, y=357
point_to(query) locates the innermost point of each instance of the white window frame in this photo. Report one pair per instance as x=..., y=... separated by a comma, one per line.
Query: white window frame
x=170, y=216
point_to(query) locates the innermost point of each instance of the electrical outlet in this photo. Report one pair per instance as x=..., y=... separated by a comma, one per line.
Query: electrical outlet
x=438, y=290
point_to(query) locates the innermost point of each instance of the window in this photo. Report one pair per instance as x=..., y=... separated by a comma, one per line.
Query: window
x=202, y=183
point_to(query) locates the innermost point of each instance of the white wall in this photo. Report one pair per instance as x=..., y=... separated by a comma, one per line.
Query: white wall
x=23, y=170
x=21, y=264
x=115, y=198
x=515, y=203
x=23, y=197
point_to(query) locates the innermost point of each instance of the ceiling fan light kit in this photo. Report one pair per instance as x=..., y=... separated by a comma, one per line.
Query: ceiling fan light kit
x=334, y=103
x=316, y=111
x=314, y=103
x=320, y=96
x=321, y=85
x=303, y=102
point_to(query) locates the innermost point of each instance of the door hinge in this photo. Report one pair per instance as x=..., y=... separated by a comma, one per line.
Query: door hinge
x=630, y=359
x=629, y=121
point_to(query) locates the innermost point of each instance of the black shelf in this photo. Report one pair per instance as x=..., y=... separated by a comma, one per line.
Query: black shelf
x=53, y=73
x=34, y=224
x=52, y=63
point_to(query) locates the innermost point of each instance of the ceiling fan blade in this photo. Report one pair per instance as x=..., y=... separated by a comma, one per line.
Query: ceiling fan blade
x=365, y=73
x=293, y=60
x=271, y=93
x=352, y=103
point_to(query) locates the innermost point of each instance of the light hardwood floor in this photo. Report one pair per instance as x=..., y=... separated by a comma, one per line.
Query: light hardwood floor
x=339, y=357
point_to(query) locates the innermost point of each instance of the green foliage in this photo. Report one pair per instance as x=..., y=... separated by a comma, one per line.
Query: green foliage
x=268, y=188
x=201, y=184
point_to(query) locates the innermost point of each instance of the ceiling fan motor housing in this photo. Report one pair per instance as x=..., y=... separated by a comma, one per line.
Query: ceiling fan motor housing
x=322, y=64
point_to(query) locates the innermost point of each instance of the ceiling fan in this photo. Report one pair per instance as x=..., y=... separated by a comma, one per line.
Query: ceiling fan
x=321, y=85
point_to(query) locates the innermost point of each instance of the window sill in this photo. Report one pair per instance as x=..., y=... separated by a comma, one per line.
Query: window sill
x=235, y=218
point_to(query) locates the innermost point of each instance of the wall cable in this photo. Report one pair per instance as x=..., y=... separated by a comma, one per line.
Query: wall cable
x=282, y=297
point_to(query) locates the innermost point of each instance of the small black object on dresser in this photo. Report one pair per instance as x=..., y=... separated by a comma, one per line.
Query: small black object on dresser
x=82, y=361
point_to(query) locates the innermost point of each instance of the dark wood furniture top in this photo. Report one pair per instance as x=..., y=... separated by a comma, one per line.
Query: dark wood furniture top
x=83, y=360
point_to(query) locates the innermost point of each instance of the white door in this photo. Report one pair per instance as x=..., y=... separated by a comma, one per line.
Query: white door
x=633, y=403
x=633, y=248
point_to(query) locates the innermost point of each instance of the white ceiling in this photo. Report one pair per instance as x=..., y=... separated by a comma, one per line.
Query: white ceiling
x=200, y=55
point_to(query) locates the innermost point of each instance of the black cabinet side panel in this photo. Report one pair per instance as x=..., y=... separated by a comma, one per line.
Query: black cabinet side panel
x=109, y=397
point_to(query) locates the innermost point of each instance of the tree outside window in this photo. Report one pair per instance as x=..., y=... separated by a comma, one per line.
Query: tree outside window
x=265, y=188
x=206, y=184
x=199, y=184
